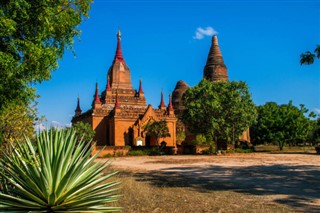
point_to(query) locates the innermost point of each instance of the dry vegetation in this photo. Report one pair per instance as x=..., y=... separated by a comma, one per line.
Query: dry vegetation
x=143, y=196
x=232, y=183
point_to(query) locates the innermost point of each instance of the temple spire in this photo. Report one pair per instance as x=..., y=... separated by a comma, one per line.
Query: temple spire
x=78, y=110
x=215, y=69
x=108, y=87
x=118, y=57
x=170, y=107
x=96, y=95
x=140, y=87
x=215, y=56
x=162, y=104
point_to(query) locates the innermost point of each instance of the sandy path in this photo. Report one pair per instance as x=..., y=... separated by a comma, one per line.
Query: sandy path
x=254, y=159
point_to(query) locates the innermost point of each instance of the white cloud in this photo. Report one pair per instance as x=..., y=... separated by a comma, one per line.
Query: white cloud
x=317, y=110
x=58, y=125
x=39, y=127
x=202, y=32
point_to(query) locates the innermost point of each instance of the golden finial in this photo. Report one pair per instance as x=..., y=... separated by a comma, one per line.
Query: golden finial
x=119, y=33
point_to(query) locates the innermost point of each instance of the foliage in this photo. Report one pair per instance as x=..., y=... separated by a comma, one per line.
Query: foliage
x=157, y=129
x=315, y=132
x=84, y=130
x=219, y=110
x=201, y=139
x=181, y=136
x=307, y=58
x=137, y=153
x=55, y=175
x=154, y=152
x=16, y=122
x=118, y=154
x=108, y=155
x=240, y=150
x=33, y=37
x=211, y=150
x=151, y=152
x=281, y=124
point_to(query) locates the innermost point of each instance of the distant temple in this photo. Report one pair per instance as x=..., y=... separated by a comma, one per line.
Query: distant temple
x=119, y=114
x=214, y=70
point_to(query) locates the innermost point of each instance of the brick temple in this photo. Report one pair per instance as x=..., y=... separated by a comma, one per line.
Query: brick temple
x=120, y=112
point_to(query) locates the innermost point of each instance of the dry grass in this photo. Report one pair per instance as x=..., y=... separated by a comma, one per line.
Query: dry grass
x=255, y=182
x=139, y=195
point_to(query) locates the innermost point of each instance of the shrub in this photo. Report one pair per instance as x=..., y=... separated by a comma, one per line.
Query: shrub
x=155, y=151
x=137, y=153
x=108, y=155
x=180, y=137
x=56, y=175
x=209, y=151
x=239, y=150
x=200, y=139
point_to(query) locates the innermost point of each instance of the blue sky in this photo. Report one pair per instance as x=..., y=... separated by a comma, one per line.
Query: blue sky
x=261, y=42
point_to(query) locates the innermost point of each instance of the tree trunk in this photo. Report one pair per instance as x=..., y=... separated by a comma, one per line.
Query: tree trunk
x=216, y=143
x=233, y=141
x=281, y=145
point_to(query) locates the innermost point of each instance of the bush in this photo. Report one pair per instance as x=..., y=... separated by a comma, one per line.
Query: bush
x=155, y=151
x=108, y=155
x=55, y=174
x=239, y=150
x=137, y=153
x=200, y=139
x=209, y=151
x=118, y=154
x=150, y=152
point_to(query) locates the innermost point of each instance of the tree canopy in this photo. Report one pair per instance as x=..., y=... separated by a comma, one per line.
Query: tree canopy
x=83, y=131
x=33, y=37
x=157, y=129
x=16, y=123
x=315, y=132
x=308, y=57
x=219, y=110
x=281, y=124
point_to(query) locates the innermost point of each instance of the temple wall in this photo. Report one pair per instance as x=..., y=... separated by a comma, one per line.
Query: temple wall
x=99, y=126
x=122, y=134
x=171, y=141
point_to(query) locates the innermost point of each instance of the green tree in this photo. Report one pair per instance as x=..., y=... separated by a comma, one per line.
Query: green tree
x=281, y=124
x=308, y=57
x=219, y=110
x=181, y=136
x=33, y=37
x=84, y=130
x=315, y=132
x=201, y=139
x=55, y=175
x=16, y=122
x=157, y=129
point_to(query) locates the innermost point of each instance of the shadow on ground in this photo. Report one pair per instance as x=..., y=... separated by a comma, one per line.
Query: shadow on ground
x=300, y=183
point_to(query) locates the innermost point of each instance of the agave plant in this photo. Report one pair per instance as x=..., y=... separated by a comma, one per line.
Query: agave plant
x=56, y=174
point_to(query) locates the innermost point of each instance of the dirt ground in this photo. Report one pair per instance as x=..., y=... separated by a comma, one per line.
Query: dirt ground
x=289, y=181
